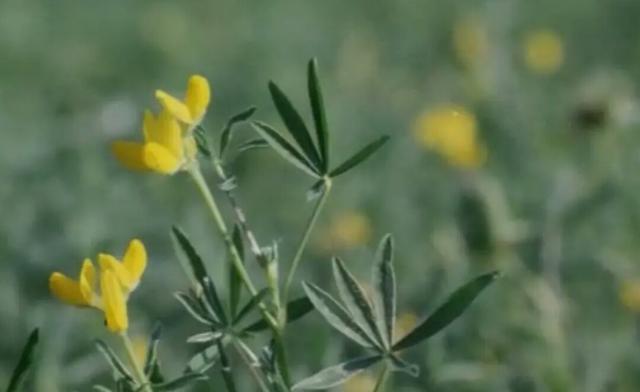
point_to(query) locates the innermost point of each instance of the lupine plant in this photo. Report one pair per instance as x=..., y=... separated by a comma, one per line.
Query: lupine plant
x=175, y=141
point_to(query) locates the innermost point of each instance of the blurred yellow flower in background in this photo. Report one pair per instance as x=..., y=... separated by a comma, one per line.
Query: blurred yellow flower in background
x=359, y=383
x=404, y=324
x=543, y=51
x=192, y=109
x=351, y=228
x=470, y=40
x=630, y=295
x=117, y=281
x=451, y=131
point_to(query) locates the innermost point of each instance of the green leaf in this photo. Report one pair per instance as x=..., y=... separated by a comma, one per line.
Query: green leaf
x=296, y=126
x=336, y=375
x=253, y=302
x=453, y=307
x=180, y=382
x=285, y=149
x=398, y=365
x=194, y=308
x=225, y=369
x=355, y=300
x=201, y=142
x=225, y=136
x=203, y=360
x=116, y=364
x=235, y=281
x=296, y=309
x=384, y=290
x=212, y=298
x=319, y=115
x=25, y=362
x=197, y=266
x=336, y=315
x=359, y=157
x=204, y=337
x=252, y=144
x=151, y=358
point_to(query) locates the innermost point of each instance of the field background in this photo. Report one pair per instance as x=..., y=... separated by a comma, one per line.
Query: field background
x=555, y=205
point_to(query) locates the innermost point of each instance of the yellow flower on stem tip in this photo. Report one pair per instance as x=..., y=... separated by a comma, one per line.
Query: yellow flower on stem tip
x=117, y=280
x=192, y=108
x=77, y=293
x=451, y=131
x=165, y=148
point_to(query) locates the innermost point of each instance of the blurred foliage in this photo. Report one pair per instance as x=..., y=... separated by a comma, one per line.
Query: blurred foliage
x=552, y=90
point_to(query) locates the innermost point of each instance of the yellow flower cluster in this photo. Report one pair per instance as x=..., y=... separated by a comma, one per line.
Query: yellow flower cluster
x=117, y=280
x=630, y=296
x=169, y=145
x=451, y=131
x=543, y=51
x=349, y=229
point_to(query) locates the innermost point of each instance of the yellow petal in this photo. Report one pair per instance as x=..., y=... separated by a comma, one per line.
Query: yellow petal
x=87, y=281
x=158, y=158
x=135, y=260
x=130, y=154
x=110, y=263
x=174, y=106
x=197, y=97
x=115, y=305
x=66, y=289
x=168, y=133
x=148, y=124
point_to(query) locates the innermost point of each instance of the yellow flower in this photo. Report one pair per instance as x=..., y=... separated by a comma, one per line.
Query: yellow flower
x=191, y=110
x=117, y=281
x=451, y=131
x=543, y=51
x=166, y=149
x=349, y=229
x=80, y=292
x=630, y=296
x=470, y=40
x=359, y=383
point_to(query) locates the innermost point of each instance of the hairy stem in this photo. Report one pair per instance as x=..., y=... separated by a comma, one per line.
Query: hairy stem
x=140, y=376
x=222, y=228
x=305, y=238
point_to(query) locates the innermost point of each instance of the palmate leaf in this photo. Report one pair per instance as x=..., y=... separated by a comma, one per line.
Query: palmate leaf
x=359, y=157
x=319, y=115
x=384, y=290
x=295, y=124
x=354, y=298
x=336, y=375
x=296, y=309
x=195, y=309
x=25, y=362
x=213, y=300
x=225, y=135
x=336, y=315
x=285, y=149
x=252, y=304
x=453, y=307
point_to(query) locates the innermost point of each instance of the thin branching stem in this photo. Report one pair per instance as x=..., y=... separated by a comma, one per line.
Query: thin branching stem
x=202, y=186
x=305, y=237
x=382, y=378
x=251, y=366
x=140, y=376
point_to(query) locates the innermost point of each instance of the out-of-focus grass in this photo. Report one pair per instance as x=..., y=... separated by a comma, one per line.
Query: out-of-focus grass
x=554, y=205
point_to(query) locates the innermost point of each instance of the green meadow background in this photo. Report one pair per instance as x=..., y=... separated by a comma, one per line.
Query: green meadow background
x=555, y=206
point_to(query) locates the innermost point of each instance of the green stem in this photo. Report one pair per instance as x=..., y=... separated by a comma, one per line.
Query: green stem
x=305, y=238
x=381, y=379
x=141, y=377
x=195, y=173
